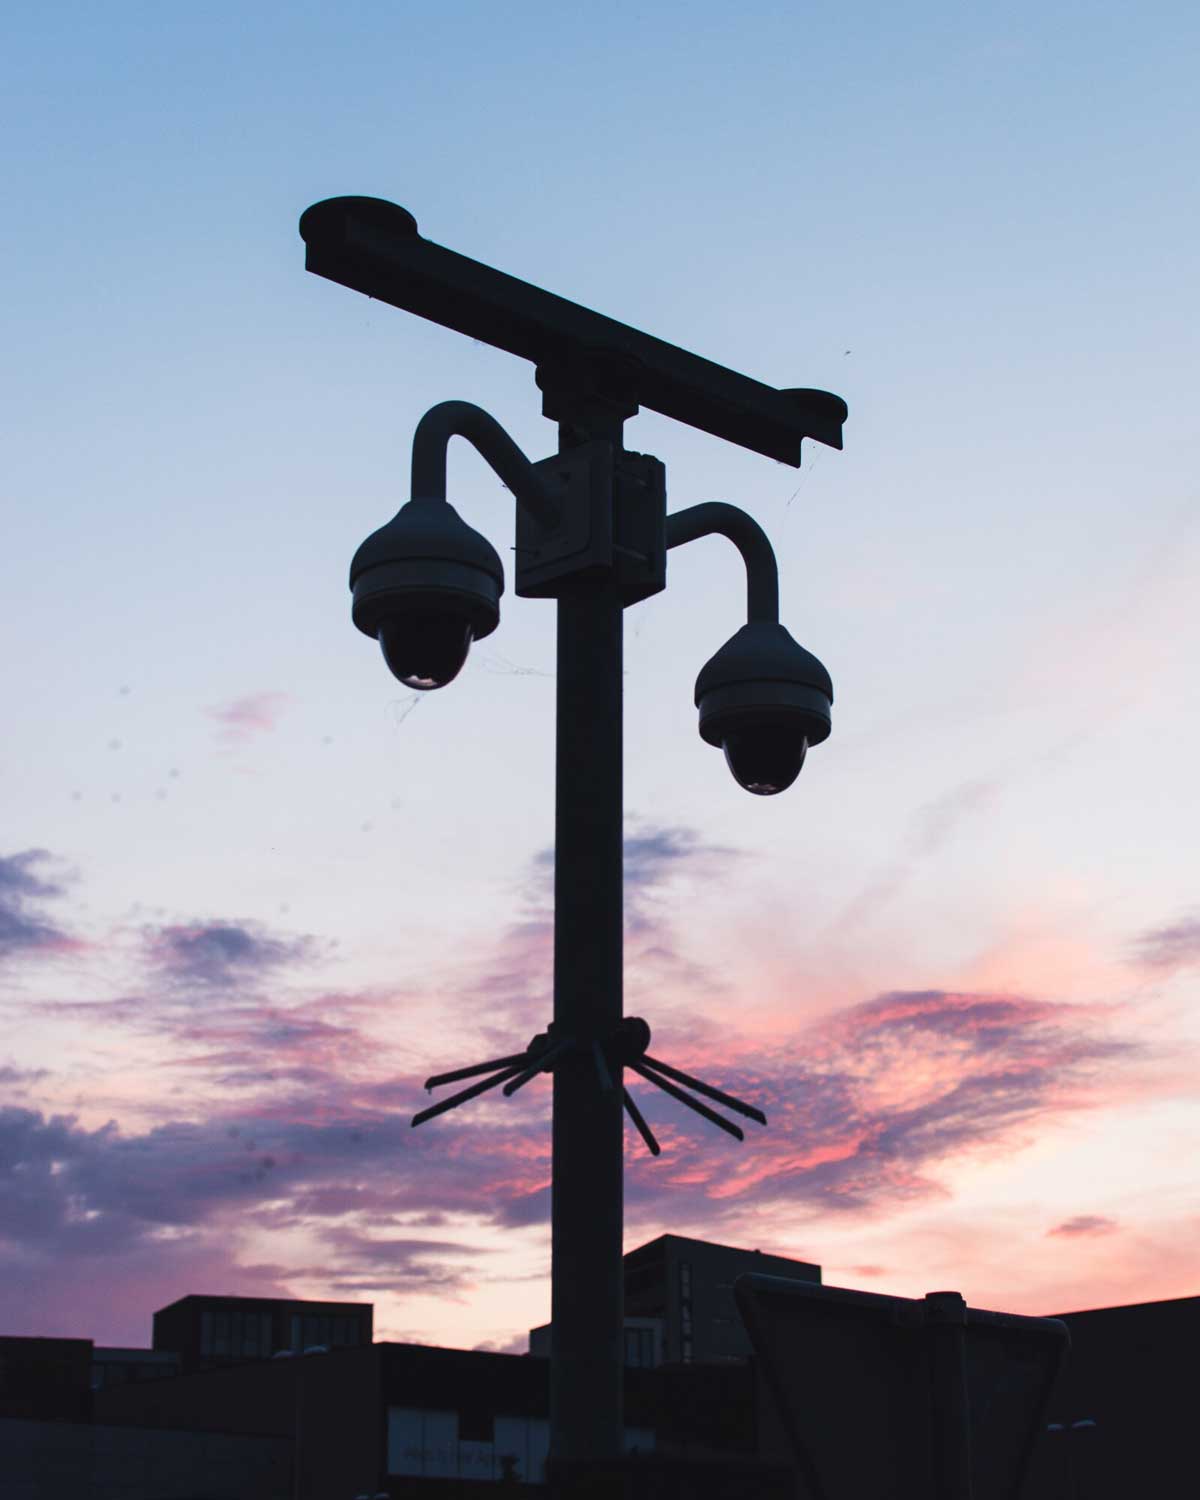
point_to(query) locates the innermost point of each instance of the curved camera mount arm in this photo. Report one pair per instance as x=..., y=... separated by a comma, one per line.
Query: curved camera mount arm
x=461, y=419
x=715, y=518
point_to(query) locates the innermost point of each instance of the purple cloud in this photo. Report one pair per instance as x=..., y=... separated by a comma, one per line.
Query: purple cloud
x=211, y=954
x=348, y=1169
x=303, y=1129
x=364, y=1262
x=863, y=1109
x=24, y=929
x=865, y=1106
x=1175, y=946
x=514, y=982
x=935, y=822
x=653, y=856
x=21, y=1078
x=99, y=1206
x=1083, y=1225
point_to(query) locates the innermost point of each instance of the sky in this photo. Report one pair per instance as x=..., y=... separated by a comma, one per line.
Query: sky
x=252, y=891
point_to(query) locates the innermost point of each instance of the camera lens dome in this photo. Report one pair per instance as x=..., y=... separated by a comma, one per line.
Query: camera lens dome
x=425, y=650
x=765, y=759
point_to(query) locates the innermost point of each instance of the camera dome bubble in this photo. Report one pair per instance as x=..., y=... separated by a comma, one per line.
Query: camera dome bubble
x=425, y=651
x=765, y=759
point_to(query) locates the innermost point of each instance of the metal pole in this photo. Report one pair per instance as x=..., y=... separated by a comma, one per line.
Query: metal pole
x=587, y=1274
x=946, y=1321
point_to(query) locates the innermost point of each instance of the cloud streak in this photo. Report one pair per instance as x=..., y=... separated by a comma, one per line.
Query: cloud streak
x=865, y=1107
x=865, y=1110
x=935, y=823
x=221, y=954
x=1083, y=1226
x=1174, y=946
x=24, y=928
x=242, y=719
x=281, y=1112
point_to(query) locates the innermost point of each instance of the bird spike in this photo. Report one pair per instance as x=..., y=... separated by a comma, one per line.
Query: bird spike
x=701, y=1109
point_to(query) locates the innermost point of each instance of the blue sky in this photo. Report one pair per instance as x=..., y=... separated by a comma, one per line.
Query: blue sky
x=975, y=224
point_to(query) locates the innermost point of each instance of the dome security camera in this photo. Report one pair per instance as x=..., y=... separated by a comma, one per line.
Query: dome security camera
x=764, y=700
x=425, y=586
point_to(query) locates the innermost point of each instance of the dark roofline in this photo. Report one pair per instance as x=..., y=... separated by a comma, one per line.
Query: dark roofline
x=449, y=1349
x=1083, y=1312
x=274, y=1301
x=361, y=1351
x=135, y=1351
x=45, y=1338
x=684, y=1239
x=376, y=1351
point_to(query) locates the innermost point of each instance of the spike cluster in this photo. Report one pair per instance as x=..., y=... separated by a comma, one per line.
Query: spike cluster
x=626, y=1048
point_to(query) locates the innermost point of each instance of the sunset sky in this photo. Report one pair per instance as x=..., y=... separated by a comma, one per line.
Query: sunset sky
x=252, y=891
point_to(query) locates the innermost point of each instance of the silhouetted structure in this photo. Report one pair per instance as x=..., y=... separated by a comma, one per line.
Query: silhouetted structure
x=679, y=1303
x=119, y=1366
x=209, y=1331
x=408, y=1419
x=412, y=1421
x=922, y=1399
x=95, y=1461
x=1123, y=1417
x=593, y=534
x=689, y=1284
x=46, y=1380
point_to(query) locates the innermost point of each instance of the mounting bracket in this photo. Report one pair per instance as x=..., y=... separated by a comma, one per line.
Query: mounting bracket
x=612, y=518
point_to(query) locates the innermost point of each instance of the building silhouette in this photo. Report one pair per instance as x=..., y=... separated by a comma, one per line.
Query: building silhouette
x=209, y=1331
x=679, y=1306
x=238, y=1410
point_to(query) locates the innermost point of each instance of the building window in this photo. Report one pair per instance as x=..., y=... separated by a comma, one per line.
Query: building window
x=346, y=1332
x=639, y=1347
x=252, y=1335
x=686, y=1347
x=206, y=1333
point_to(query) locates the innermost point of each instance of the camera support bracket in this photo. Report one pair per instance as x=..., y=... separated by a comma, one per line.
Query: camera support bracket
x=611, y=519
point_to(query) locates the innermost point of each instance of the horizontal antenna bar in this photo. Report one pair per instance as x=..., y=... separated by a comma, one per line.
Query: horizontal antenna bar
x=373, y=247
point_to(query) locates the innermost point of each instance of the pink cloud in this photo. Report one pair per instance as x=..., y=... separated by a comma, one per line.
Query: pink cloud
x=867, y=1104
x=303, y=1131
x=1084, y=1224
x=255, y=713
x=287, y=1108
